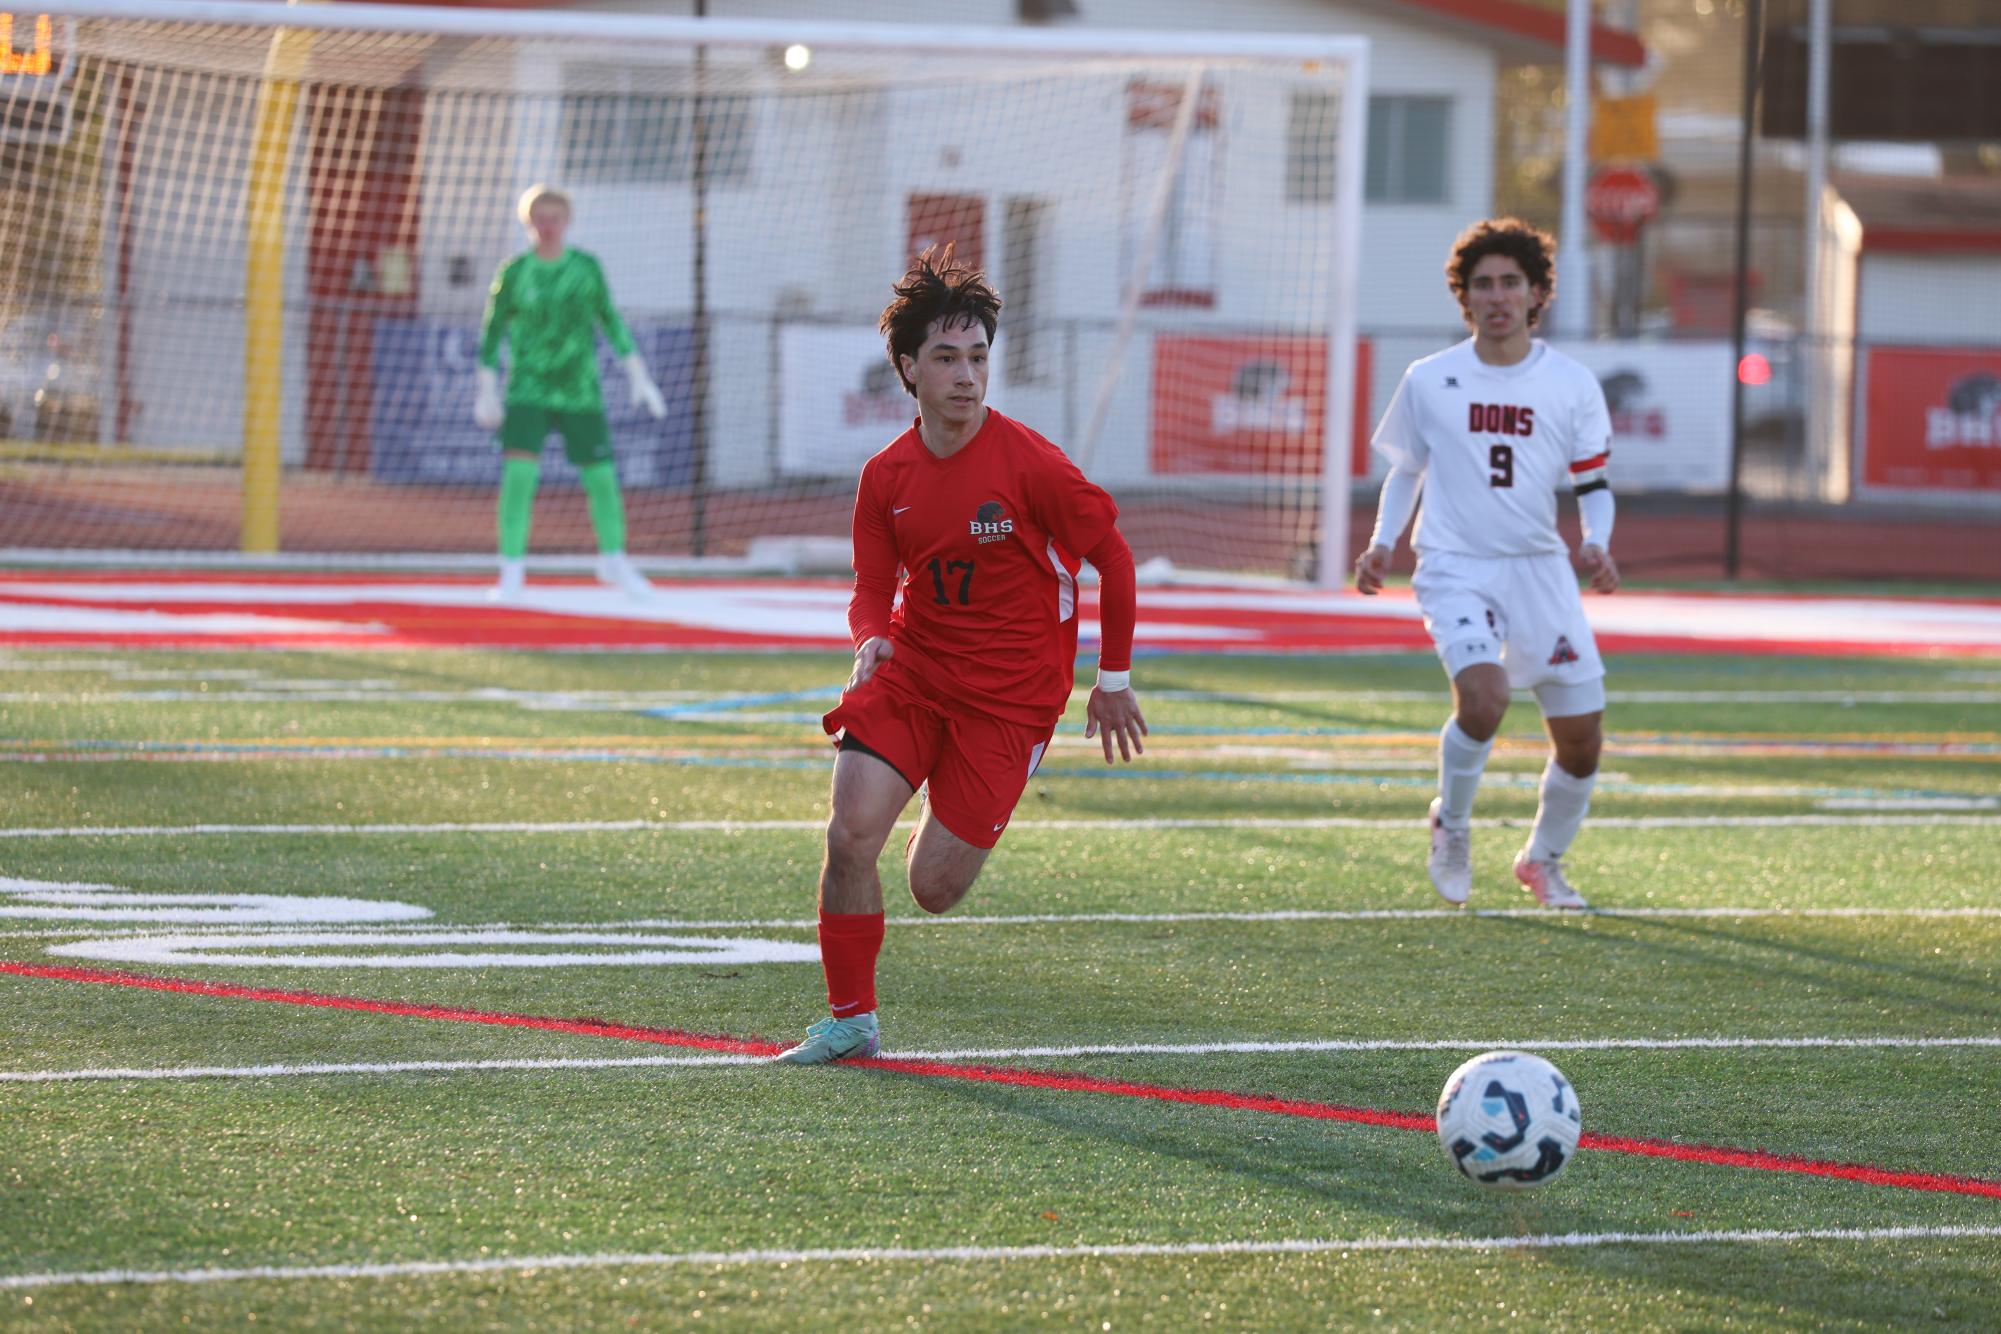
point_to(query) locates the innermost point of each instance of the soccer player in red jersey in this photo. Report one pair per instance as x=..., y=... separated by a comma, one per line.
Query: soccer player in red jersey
x=978, y=523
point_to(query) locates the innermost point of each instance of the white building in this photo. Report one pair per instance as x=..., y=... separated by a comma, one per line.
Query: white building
x=1906, y=400
x=1434, y=67
x=812, y=201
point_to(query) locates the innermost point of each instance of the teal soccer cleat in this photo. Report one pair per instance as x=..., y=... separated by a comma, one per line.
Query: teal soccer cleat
x=835, y=1040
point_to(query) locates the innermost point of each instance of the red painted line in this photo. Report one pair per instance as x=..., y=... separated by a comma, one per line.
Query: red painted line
x=593, y=1028
x=1711, y=1155
x=1760, y=1160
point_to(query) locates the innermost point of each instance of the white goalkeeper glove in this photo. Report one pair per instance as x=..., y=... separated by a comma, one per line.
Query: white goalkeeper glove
x=487, y=408
x=645, y=393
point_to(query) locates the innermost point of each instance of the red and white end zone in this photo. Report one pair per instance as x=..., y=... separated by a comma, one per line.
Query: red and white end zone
x=182, y=609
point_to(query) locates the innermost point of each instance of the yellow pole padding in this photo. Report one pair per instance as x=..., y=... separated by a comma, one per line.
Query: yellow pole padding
x=264, y=286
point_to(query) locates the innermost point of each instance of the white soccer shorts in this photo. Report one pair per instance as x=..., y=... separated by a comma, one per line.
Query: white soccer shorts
x=1522, y=613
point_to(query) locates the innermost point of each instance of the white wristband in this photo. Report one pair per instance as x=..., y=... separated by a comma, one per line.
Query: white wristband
x=1114, y=680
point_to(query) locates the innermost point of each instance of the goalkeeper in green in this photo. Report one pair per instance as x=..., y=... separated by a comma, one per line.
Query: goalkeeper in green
x=547, y=304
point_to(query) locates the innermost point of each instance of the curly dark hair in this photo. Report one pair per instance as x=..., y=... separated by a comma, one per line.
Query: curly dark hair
x=1530, y=247
x=935, y=288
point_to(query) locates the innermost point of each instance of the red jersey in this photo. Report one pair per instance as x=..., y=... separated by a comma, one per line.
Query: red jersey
x=986, y=544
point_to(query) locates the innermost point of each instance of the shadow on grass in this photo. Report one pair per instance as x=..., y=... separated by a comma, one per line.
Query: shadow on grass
x=1969, y=997
x=1336, y=1167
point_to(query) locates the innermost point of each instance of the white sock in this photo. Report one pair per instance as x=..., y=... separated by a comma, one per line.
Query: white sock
x=514, y=570
x=1461, y=761
x=1565, y=799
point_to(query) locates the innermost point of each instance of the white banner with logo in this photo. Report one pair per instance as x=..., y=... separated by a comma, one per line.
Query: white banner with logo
x=842, y=401
x=1670, y=406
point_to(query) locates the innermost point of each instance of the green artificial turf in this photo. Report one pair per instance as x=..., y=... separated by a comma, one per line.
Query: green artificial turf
x=1896, y=764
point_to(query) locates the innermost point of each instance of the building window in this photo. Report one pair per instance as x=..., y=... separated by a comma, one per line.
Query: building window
x=617, y=131
x=1029, y=354
x=1311, y=144
x=1408, y=150
x=1183, y=272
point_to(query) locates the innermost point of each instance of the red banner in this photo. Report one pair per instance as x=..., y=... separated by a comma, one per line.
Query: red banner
x=1933, y=420
x=1239, y=405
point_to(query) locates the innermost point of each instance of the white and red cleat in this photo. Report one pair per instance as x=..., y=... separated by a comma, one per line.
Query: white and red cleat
x=1546, y=881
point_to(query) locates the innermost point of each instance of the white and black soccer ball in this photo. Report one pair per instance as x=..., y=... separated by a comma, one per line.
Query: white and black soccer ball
x=1509, y=1120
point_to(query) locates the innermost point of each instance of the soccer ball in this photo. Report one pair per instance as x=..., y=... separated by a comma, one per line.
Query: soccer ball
x=1509, y=1120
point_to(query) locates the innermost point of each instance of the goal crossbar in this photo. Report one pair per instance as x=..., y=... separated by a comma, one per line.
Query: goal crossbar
x=956, y=39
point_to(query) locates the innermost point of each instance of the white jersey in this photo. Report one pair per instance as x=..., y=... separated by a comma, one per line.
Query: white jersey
x=1494, y=443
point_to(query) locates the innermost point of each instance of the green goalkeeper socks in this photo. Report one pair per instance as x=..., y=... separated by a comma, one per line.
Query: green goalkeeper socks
x=518, y=478
x=607, y=508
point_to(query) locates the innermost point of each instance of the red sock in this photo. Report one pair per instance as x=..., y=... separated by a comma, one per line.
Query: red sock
x=848, y=946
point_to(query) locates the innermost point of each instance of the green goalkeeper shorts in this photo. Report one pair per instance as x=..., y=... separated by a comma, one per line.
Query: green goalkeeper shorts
x=586, y=435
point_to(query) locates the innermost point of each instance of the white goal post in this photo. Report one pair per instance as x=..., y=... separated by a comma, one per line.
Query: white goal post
x=245, y=270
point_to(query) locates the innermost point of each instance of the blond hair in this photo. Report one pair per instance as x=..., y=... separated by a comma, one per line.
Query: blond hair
x=536, y=194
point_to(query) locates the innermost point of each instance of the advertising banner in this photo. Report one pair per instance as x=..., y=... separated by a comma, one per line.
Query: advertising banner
x=1670, y=405
x=842, y=400
x=1238, y=405
x=1932, y=422
x=421, y=417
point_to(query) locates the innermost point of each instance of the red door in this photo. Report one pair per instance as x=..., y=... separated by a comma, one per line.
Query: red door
x=957, y=220
x=362, y=193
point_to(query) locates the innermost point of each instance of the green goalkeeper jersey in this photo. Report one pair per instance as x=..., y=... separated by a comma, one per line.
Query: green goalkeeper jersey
x=549, y=312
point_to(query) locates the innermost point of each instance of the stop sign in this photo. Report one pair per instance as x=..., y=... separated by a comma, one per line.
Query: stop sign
x=1619, y=201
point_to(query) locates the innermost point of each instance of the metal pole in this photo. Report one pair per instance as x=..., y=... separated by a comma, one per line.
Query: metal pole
x=698, y=405
x=264, y=285
x=1819, y=36
x=699, y=373
x=1573, y=308
x=1754, y=35
x=1344, y=387
x=1810, y=344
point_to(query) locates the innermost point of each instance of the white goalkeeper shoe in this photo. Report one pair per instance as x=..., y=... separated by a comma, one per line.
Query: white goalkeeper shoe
x=513, y=579
x=615, y=570
x=1451, y=864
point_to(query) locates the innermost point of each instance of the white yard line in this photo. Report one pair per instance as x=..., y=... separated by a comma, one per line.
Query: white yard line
x=530, y=1265
x=1799, y=821
x=1452, y=1044
x=359, y=932
x=280, y=1070
x=1612, y=696
x=258, y=687
x=322, y=692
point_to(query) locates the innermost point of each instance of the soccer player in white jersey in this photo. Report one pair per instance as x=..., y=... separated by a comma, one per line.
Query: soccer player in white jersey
x=1490, y=428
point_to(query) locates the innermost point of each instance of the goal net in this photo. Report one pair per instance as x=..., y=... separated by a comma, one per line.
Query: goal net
x=245, y=266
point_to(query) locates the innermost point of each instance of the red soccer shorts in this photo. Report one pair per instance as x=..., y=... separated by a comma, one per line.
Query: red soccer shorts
x=976, y=764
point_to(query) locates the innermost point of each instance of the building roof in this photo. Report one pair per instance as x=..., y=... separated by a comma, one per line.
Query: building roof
x=1531, y=30
x=1899, y=213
